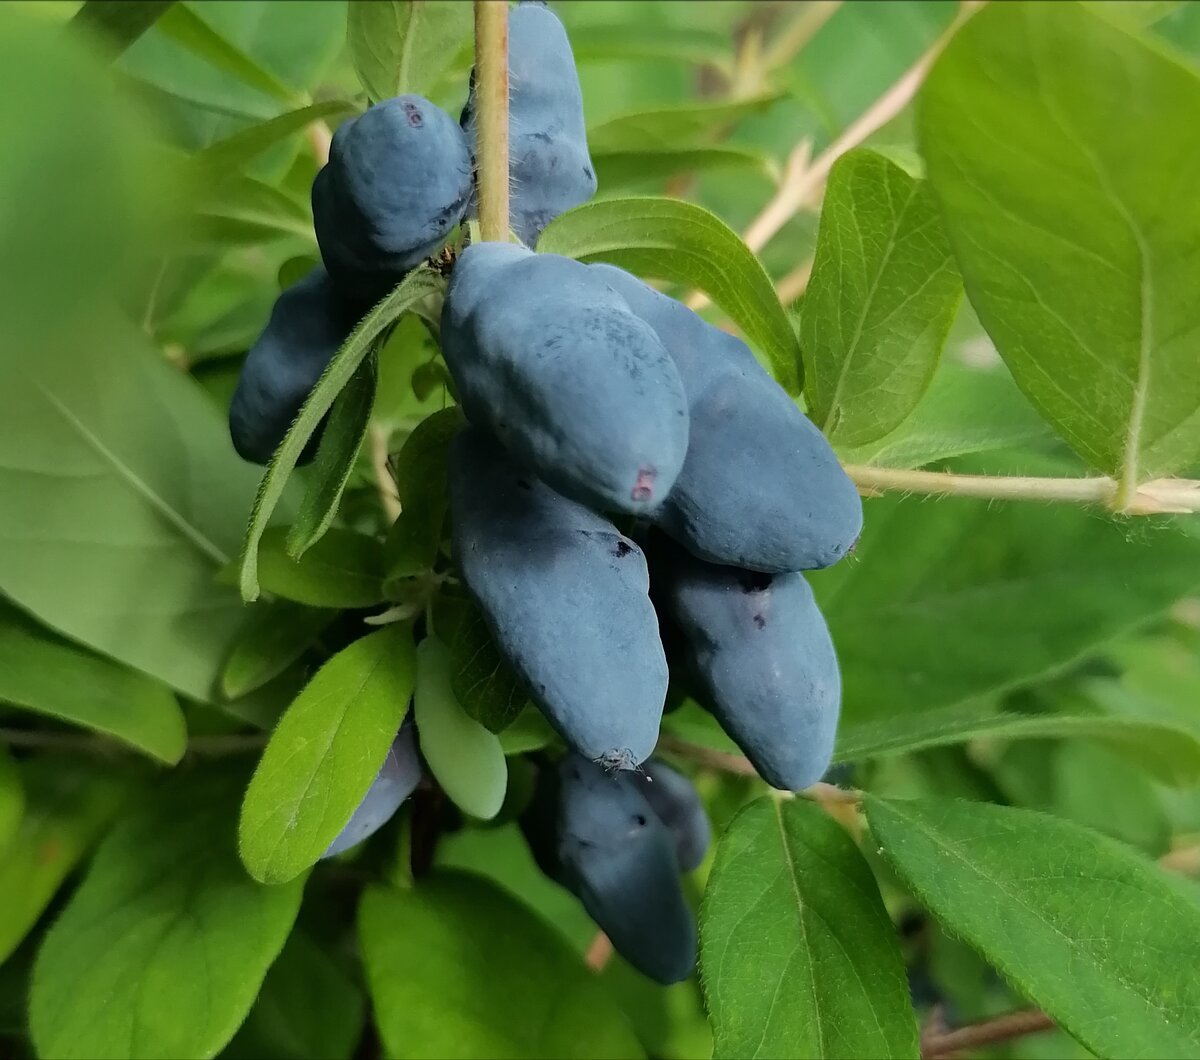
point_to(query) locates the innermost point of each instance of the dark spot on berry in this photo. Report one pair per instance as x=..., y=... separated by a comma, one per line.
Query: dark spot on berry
x=640, y=820
x=759, y=622
x=413, y=113
x=623, y=549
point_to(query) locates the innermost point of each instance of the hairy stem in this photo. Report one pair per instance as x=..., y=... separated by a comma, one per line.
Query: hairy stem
x=491, y=117
x=1158, y=497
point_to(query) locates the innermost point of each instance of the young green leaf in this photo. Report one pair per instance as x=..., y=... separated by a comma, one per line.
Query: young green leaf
x=46, y=674
x=1170, y=752
x=343, y=569
x=682, y=242
x=308, y=1008
x=484, y=684
x=883, y=293
x=122, y=498
x=1102, y=940
x=1027, y=589
x=340, y=442
x=465, y=758
x=69, y=802
x=274, y=637
x=798, y=955
x=244, y=212
x=420, y=473
x=163, y=948
x=1065, y=152
x=325, y=753
x=416, y=285
x=401, y=46
x=457, y=944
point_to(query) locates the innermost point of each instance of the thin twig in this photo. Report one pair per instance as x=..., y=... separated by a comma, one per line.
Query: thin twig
x=803, y=184
x=1157, y=497
x=795, y=283
x=803, y=28
x=1183, y=860
x=491, y=110
x=988, y=1032
x=384, y=483
x=724, y=761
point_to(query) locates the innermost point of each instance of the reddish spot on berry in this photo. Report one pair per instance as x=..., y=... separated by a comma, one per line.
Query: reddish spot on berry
x=643, y=489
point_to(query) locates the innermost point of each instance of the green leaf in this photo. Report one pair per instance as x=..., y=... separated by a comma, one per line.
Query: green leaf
x=618, y=169
x=308, y=1009
x=684, y=243
x=680, y=126
x=466, y=758
x=340, y=442
x=119, y=22
x=1026, y=590
x=1064, y=153
x=883, y=293
x=164, y=946
x=69, y=802
x=274, y=637
x=416, y=285
x=12, y=800
x=1170, y=752
x=798, y=955
x=325, y=753
x=1102, y=940
x=48, y=675
x=457, y=945
x=420, y=472
x=484, y=684
x=401, y=46
x=123, y=497
x=965, y=410
x=245, y=211
x=343, y=569
x=226, y=158
x=182, y=25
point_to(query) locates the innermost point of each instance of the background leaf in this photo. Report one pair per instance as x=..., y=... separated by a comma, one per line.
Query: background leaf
x=1027, y=590
x=798, y=955
x=69, y=801
x=325, y=753
x=1100, y=939
x=119, y=22
x=164, y=946
x=882, y=296
x=122, y=498
x=12, y=800
x=689, y=124
x=401, y=46
x=308, y=1009
x=458, y=945
x=673, y=240
x=1063, y=155
x=44, y=673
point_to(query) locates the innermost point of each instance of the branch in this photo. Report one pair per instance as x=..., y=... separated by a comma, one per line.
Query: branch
x=491, y=117
x=937, y=1044
x=385, y=485
x=803, y=183
x=803, y=28
x=1157, y=497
